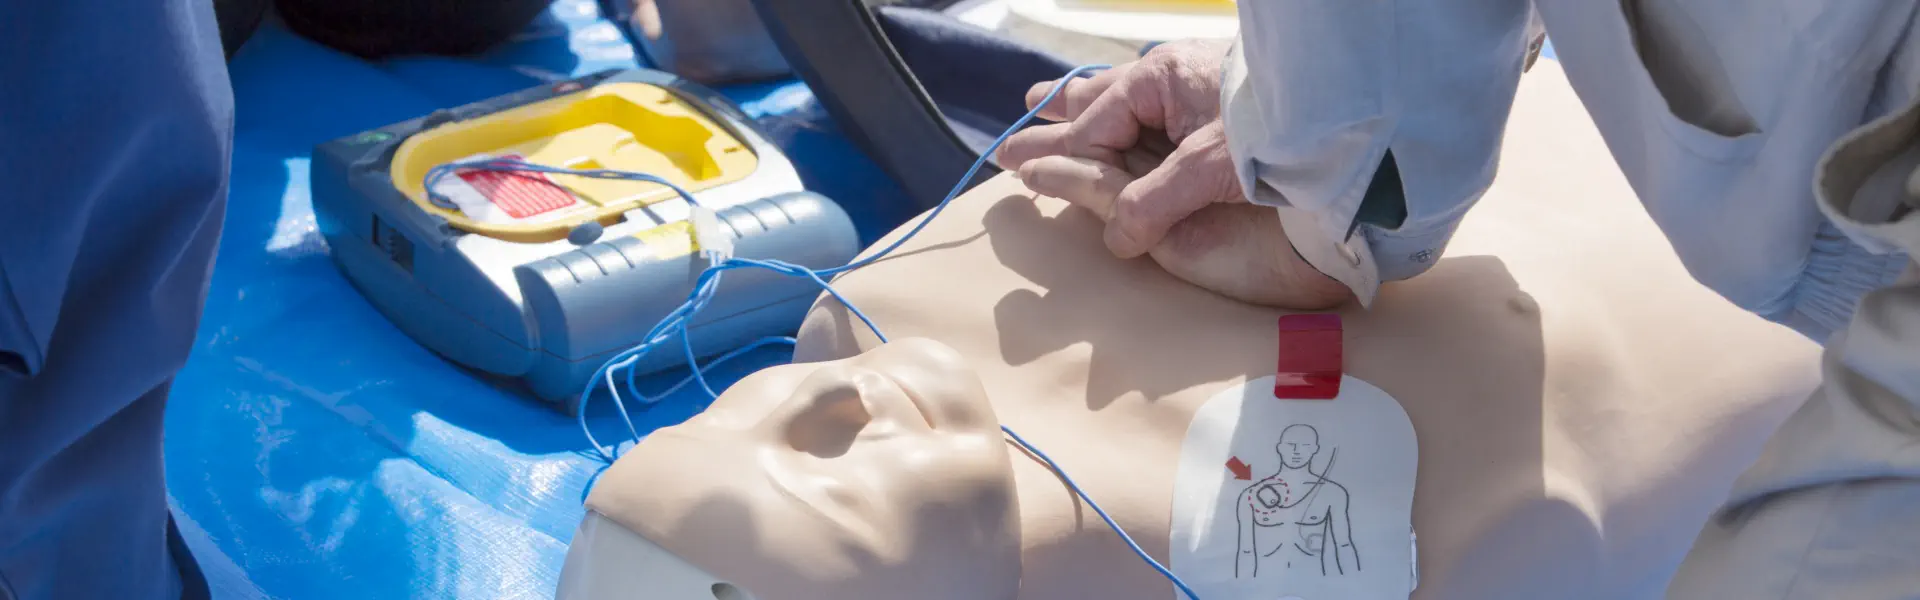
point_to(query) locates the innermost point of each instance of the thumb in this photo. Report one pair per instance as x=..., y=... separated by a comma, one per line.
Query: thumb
x=1198, y=173
x=1113, y=121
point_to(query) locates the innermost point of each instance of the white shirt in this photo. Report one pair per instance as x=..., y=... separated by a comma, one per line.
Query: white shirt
x=1718, y=135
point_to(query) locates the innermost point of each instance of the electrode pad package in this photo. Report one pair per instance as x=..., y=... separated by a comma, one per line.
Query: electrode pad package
x=534, y=235
x=1296, y=499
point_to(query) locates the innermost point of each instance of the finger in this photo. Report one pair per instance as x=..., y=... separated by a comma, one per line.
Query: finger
x=1032, y=143
x=1052, y=140
x=1198, y=173
x=1078, y=94
x=1083, y=182
x=1115, y=121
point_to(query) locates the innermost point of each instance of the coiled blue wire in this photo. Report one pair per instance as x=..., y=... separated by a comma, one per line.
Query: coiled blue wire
x=676, y=323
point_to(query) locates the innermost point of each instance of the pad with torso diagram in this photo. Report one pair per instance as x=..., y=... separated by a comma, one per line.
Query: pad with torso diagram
x=1296, y=518
x=1307, y=498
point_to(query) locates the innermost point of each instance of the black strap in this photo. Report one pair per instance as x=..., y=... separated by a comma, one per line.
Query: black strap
x=838, y=48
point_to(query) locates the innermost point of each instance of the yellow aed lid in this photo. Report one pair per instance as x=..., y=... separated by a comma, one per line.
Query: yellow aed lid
x=622, y=126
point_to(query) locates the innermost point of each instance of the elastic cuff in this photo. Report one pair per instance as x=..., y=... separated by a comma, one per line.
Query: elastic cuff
x=1839, y=272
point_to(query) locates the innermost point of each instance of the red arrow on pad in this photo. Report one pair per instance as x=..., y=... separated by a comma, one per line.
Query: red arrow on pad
x=1240, y=469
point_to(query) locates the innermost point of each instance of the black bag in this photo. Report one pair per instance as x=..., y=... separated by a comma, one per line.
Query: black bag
x=374, y=29
x=238, y=19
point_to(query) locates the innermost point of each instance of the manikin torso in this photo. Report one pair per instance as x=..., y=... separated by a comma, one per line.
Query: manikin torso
x=1581, y=404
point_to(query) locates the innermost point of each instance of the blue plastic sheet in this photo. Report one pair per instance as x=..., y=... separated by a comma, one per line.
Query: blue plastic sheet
x=313, y=450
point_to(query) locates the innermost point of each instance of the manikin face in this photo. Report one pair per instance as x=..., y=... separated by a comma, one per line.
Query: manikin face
x=1298, y=444
x=882, y=475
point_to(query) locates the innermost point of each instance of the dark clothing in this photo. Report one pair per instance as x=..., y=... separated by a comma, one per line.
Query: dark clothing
x=115, y=133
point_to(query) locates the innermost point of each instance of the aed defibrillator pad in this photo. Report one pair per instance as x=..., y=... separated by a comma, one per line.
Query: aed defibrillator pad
x=1309, y=499
x=507, y=196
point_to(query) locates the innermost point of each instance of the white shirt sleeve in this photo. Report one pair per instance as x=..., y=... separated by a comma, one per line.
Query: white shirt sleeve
x=1316, y=93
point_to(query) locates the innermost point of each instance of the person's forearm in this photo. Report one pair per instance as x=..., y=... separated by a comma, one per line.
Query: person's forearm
x=1318, y=95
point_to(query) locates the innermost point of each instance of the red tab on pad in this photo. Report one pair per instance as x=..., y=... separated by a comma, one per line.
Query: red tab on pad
x=519, y=194
x=1310, y=358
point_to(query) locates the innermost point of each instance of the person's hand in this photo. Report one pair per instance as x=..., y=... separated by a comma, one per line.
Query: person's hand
x=1143, y=146
x=1148, y=110
x=1234, y=249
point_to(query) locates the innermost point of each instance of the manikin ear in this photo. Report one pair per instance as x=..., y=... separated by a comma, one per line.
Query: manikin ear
x=837, y=405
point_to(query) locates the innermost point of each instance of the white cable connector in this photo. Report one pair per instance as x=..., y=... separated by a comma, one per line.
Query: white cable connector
x=712, y=237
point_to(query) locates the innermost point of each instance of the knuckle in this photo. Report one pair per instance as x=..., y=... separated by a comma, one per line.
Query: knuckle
x=1157, y=65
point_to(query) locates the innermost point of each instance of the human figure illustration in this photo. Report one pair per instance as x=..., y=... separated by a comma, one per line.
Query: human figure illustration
x=1295, y=518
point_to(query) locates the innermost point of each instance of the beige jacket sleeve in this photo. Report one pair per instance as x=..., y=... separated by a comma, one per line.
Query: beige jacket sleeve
x=1831, y=511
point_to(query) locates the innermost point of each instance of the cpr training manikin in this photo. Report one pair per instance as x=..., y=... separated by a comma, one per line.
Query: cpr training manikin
x=1576, y=403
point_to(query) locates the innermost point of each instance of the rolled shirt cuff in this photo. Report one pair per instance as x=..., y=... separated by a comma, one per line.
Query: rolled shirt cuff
x=1332, y=169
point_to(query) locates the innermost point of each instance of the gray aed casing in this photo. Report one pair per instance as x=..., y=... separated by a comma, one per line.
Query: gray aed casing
x=551, y=313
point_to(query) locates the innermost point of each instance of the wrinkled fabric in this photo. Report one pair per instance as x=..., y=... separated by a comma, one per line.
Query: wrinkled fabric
x=115, y=128
x=1832, y=507
x=1716, y=110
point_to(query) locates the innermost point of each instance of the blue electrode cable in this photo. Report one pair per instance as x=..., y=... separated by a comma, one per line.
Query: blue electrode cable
x=677, y=322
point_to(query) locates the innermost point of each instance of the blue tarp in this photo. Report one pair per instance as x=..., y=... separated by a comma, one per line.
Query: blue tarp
x=313, y=450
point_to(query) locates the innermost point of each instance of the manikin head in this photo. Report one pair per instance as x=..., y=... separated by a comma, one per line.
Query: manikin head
x=879, y=476
x=1298, y=445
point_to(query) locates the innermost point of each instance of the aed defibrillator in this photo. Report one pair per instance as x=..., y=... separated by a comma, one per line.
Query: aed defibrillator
x=541, y=275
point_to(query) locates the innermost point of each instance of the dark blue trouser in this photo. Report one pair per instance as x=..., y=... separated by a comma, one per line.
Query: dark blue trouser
x=115, y=129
